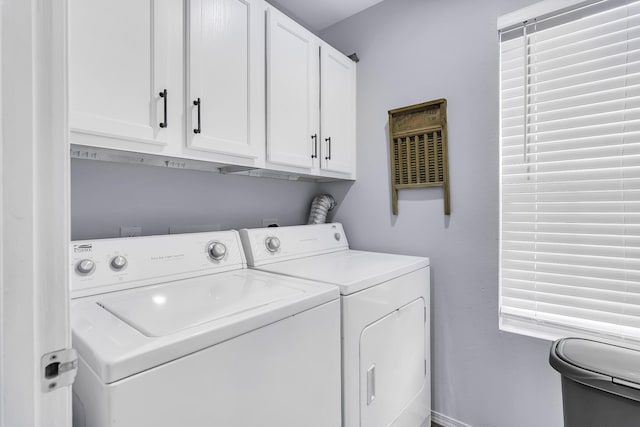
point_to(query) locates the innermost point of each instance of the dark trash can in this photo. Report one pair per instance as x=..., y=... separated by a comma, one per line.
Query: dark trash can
x=600, y=383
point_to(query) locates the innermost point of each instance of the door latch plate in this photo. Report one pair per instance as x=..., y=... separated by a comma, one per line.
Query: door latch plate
x=58, y=369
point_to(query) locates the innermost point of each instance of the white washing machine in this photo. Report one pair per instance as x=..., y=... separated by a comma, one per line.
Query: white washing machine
x=385, y=318
x=176, y=331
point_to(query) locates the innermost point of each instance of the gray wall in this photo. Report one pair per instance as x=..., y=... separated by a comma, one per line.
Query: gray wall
x=106, y=196
x=413, y=51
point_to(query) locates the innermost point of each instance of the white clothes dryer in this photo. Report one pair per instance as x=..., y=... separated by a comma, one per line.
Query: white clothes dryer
x=385, y=318
x=176, y=331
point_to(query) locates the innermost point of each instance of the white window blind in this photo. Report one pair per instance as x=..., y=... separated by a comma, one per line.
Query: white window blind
x=570, y=173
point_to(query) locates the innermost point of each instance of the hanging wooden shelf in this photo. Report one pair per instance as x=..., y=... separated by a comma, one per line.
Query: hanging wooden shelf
x=418, y=139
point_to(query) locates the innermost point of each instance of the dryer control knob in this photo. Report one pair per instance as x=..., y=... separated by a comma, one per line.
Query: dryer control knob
x=118, y=262
x=272, y=243
x=217, y=250
x=85, y=266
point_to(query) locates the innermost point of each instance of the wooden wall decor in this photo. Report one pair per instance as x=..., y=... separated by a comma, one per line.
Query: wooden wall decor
x=418, y=139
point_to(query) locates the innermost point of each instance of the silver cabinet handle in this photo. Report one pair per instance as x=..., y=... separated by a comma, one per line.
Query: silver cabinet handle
x=371, y=384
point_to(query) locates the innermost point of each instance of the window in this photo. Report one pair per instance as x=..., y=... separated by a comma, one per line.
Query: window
x=570, y=171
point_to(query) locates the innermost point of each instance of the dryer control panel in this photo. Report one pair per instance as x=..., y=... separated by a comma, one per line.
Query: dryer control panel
x=273, y=244
x=106, y=265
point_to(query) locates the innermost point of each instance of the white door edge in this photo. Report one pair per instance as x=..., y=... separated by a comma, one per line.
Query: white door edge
x=34, y=216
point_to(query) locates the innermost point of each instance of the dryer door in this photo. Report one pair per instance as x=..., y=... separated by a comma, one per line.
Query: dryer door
x=392, y=364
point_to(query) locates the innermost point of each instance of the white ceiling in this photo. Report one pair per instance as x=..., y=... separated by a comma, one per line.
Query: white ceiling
x=320, y=14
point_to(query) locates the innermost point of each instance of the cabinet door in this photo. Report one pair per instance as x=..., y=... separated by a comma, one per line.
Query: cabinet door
x=120, y=55
x=293, y=88
x=337, y=104
x=226, y=75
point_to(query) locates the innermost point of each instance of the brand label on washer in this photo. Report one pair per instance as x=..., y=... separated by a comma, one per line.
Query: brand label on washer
x=82, y=248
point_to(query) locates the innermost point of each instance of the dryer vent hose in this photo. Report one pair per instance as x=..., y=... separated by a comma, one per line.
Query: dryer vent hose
x=320, y=206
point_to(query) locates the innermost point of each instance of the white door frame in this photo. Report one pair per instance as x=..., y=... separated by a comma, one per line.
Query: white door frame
x=34, y=213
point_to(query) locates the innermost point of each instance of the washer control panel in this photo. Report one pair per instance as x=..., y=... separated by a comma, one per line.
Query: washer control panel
x=272, y=244
x=106, y=265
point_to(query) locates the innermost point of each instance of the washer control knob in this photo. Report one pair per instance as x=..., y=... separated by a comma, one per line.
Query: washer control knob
x=217, y=250
x=85, y=266
x=272, y=243
x=118, y=262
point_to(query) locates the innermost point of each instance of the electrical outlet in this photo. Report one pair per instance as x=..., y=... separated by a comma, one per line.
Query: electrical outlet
x=131, y=231
x=270, y=222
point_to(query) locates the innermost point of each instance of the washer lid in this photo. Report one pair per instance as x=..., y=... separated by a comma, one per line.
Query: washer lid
x=617, y=362
x=127, y=332
x=160, y=312
x=351, y=270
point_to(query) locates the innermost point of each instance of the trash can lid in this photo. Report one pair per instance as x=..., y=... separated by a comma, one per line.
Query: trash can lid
x=617, y=362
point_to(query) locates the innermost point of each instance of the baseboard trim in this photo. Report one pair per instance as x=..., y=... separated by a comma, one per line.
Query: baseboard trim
x=445, y=421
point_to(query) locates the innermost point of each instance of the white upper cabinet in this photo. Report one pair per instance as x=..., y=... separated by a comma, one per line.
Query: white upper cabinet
x=310, y=103
x=122, y=55
x=337, y=111
x=225, y=77
x=233, y=82
x=293, y=67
